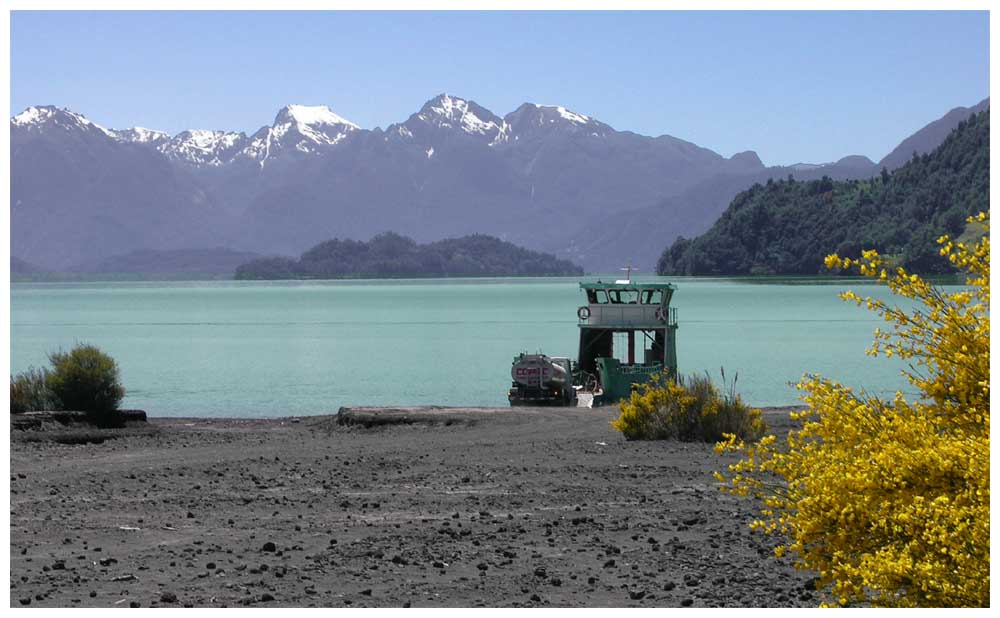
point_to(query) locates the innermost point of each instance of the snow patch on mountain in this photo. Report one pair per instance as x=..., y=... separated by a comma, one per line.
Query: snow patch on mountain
x=140, y=135
x=259, y=148
x=209, y=140
x=79, y=118
x=502, y=135
x=568, y=115
x=203, y=147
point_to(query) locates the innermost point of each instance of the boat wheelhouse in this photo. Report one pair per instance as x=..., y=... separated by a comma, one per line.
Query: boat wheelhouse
x=628, y=333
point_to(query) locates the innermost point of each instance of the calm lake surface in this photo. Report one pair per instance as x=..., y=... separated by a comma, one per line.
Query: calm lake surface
x=266, y=349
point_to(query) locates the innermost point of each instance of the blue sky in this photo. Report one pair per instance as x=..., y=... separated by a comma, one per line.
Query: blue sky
x=808, y=86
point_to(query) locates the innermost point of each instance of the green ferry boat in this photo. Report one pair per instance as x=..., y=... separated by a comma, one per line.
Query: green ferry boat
x=628, y=333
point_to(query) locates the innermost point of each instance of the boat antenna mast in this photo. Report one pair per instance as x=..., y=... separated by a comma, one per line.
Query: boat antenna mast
x=628, y=273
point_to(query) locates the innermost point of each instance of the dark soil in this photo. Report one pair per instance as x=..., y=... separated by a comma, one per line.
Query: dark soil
x=525, y=507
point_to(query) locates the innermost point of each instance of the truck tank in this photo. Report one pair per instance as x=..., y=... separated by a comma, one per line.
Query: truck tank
x=538, y=379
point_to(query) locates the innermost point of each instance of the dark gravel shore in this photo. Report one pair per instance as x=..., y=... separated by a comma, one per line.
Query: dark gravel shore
x=525, y=507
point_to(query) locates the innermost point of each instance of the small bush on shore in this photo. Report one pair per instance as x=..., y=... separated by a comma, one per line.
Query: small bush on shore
x=667, y=409
x=29, y=391
x=86, y=379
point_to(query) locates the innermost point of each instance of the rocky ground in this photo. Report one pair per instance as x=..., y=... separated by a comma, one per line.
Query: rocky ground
x=527, y=507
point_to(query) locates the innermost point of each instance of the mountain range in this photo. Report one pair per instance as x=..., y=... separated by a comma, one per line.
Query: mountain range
x=543, y=177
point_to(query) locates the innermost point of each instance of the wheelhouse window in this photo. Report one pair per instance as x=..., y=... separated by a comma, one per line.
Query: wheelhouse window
x=625, y=297
x=601, y=296
x=652, y=297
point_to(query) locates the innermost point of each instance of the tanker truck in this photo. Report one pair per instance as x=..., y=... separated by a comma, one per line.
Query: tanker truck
x=538, y=379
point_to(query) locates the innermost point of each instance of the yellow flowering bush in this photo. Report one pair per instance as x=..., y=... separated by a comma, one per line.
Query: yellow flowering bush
x=667, y=409
x=889, y=501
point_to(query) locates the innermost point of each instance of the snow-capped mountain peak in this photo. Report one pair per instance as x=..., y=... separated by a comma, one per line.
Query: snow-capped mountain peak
x=447, y=106
x=446, y=111
x=533, y=120
x=36, y=116
x=311, y=115
x=536, y=114
x=303, y=128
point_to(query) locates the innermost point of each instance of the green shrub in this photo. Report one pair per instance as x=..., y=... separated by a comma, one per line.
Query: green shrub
x=29, y=391
x=665, y=409
x=86, y=379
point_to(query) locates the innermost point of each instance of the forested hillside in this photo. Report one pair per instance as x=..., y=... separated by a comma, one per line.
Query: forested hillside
x=391, y=255
x=788, y=227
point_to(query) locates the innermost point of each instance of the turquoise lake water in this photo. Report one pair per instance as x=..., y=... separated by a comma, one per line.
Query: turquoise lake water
x=266, y=349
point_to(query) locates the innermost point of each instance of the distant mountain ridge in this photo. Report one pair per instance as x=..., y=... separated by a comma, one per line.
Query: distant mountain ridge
x=930, y=136
x=787, y=227
x=693, y=211
x=544, y=177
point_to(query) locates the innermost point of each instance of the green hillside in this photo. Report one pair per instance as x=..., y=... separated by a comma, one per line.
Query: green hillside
x=787, y=227
x=390, y=255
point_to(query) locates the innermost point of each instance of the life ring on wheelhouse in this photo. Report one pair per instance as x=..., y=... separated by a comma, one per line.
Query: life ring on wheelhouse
x=583, y=313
